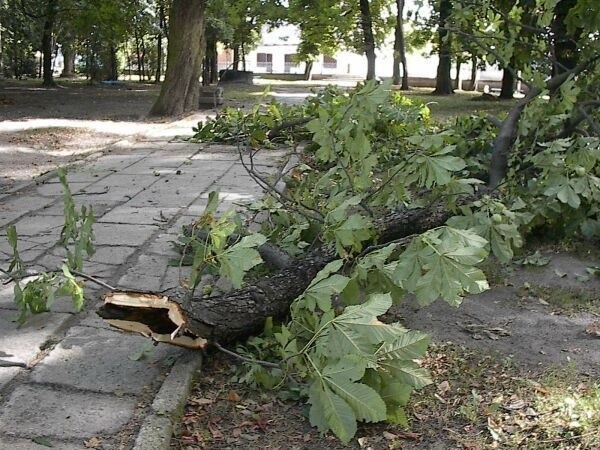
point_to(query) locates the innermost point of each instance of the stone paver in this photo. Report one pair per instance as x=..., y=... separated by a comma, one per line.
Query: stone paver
x=32, y=410
x=28, y=444
x=23, y=344
x=90, y=383
x=103, y=361
x=7, y=374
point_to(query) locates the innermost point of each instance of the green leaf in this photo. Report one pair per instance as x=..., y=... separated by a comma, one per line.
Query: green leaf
x=325, y=284
x=352, y=233
x=365, y=402
x=407, y=346
x=407, y=372
x=441, y=263
x=330, y=412
x=238, y=259
x=320, y=293
x=567, y=195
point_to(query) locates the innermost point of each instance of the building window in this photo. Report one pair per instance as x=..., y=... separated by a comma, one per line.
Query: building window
x=289, y=62
x=265, y=60
x=329, y=62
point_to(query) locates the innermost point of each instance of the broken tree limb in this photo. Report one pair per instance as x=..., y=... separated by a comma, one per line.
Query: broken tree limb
x=508, y=130
x=241, y=313
x=277, y=130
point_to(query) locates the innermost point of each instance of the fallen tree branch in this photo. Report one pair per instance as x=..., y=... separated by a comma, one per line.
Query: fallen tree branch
x=508, y=130
x=192, y=322
x=276, y=131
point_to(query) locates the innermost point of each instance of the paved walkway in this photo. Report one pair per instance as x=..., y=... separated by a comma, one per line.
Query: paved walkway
x=84, y=386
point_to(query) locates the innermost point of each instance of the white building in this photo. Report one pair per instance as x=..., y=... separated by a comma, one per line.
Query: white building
x=277, y=49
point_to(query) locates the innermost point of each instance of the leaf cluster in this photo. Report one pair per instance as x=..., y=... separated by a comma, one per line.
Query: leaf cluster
x=36, y=294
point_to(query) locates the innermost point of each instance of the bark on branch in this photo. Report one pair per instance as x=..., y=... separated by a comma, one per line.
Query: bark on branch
x=193, y=322
x=508, y=130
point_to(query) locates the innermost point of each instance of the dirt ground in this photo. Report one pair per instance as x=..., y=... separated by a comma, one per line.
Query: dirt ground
x=22, y=100
x=41, y=128
x=502, y=363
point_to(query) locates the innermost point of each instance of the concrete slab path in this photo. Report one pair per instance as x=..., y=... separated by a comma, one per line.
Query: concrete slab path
x=81, y=384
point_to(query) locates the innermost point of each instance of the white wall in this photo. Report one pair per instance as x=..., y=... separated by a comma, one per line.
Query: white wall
x=284, y=40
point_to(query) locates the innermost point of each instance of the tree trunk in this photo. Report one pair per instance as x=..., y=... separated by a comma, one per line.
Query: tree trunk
x=146, y=73
x=1, y=55
x=564, y=46
x=244, y=58
x=399, y=49
x=308, y=69
x=159, y=42
x=138, y=54
x=113, y=63
x=69, y=61
x=210, y=71
x=457, y=79
x=443, y=80
x=236, y=58
x=508, y=84
x=241, y=313
x=181, y=88
x=158, y=58
x=47, y=31
x=474, y=74
x=366, y=23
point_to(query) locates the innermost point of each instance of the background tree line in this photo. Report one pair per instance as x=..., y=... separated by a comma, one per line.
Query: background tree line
x=107, y=38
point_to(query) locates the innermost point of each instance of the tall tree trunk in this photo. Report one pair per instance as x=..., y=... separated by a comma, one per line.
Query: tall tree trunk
x=308, y=69
x=244, y=58
x=210, y=70
x=69, y=61
x=236, y=57
x=158, y=58
x=47, y=31
x=443, y=80
x=366, y=23
x=457, y=79
x=159, y=42
x=138, y=54
x=146, y=73
x=113, y=63
x=564, y=45
x=181, y=88
x=399, y=49
x=474, y=74
x=508, y=84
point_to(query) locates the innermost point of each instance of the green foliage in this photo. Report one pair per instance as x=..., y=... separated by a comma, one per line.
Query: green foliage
x=37, y=294
x=375, y=154
x=357, y=368
x=208, y=243
x=77, y=235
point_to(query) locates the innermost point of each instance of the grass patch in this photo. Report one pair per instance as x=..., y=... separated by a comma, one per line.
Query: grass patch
x=446, y=107
x=443, y=107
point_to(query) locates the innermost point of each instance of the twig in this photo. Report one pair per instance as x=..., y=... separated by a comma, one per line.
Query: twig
x=93, y=280
x=91, y=193
x=244, y=358
x=12, y=277
x=372, y=248
x=271, y=189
